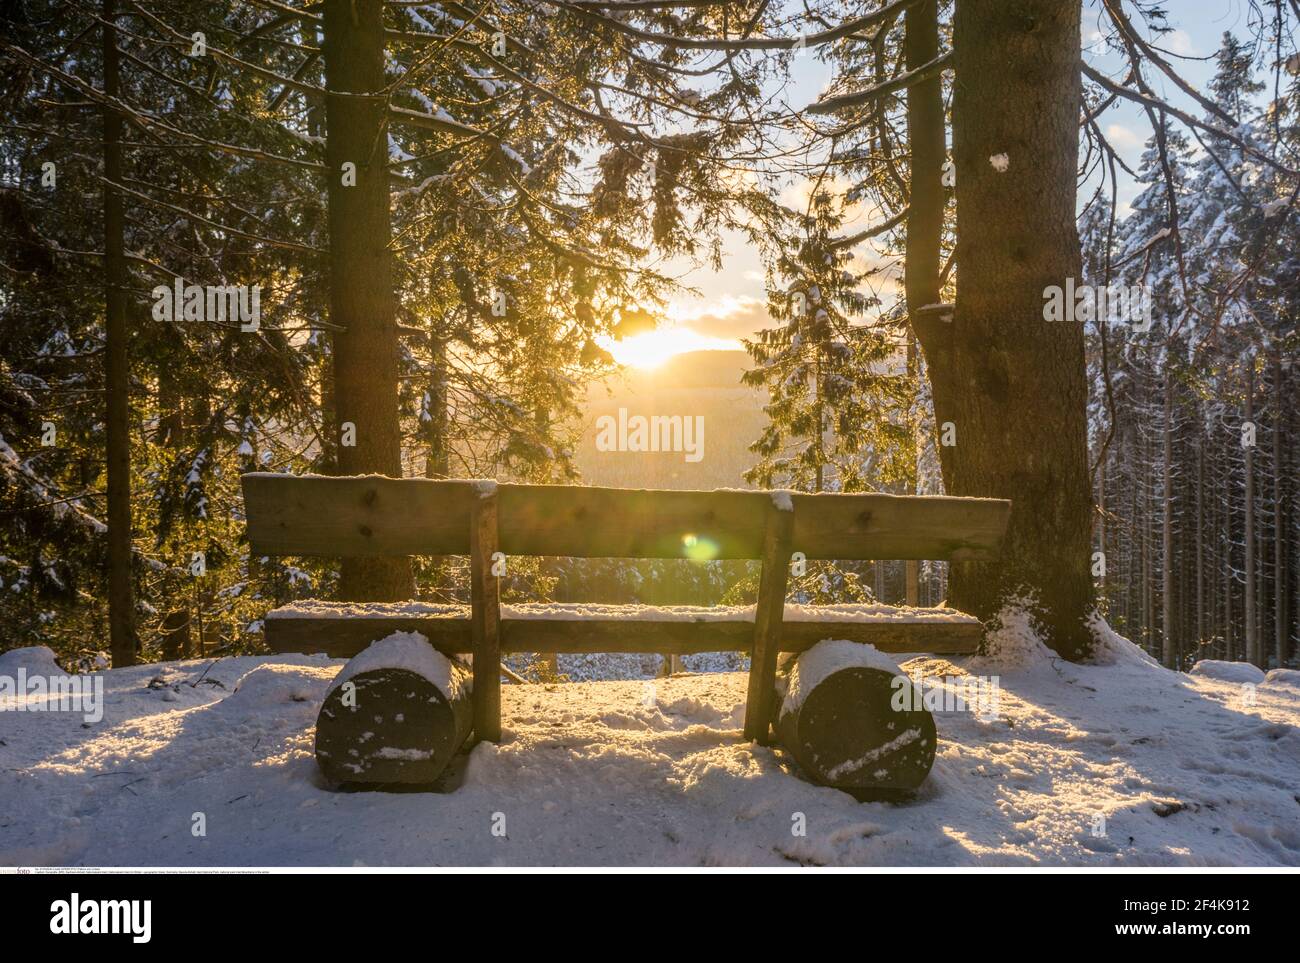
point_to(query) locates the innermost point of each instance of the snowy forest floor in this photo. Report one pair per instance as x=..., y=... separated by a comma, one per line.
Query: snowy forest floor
x=1196, y=769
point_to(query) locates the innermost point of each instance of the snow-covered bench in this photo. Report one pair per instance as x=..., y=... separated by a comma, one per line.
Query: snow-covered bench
x=373, y=515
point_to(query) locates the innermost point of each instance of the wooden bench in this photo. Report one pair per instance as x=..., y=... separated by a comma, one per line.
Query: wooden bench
x=373, y=515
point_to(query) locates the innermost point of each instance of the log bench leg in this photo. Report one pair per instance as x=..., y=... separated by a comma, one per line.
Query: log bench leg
x=862, y=727
x=391, y=725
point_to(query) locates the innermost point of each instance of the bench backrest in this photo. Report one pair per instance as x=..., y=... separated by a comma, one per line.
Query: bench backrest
x=373, y=515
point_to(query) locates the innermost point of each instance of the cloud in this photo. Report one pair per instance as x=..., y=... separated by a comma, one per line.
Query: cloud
x=1179, y=42
x=1124, y=138
x=731, y=317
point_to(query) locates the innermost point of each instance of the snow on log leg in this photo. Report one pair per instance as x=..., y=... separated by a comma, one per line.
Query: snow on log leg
x=842, y=718
x=396, y=713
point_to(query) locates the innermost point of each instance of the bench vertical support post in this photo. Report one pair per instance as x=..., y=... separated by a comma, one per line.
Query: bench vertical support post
x=485, y=619
x=768, y=614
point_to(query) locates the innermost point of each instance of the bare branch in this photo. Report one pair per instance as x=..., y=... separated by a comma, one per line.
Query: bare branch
x=892, y=86
x=1155, y=103
x=1121, y=20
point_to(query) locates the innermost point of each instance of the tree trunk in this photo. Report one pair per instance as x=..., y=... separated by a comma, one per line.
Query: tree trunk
x=117, y=375
x=925, y=135
x=1015, y=384
x=437, y=463
x=1253, y=653
x=329, y=418
x=1169, y=647
x=175, y=634
x=1132, y=601
x=1101, y=537
x=171, y=409
x=1148, y=637
x=1200, y=529
x=1229, y=640
x=1211, y=626
x=361, y=277
x=1279, y=532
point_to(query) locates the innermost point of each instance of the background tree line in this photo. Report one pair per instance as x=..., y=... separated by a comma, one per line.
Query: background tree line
x=1193, y=437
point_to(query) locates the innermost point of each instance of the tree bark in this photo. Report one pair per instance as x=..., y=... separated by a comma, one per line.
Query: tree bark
x=925, y=136
x=117, y=375
x=1200, y=529
x=1253, y=653
x=1101, y=537
x=362, y=303
x=1148, y=636
x=1279, y=515
x=1016, y=384
x=1169, y=647
x=1229, y=640
x=437, y=463
x=926, y=201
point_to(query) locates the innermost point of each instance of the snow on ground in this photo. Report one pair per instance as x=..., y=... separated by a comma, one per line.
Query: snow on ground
x=1176, y=769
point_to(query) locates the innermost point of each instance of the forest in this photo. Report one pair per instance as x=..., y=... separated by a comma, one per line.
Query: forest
x=407, y=238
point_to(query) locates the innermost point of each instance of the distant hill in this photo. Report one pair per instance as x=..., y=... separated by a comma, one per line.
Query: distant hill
x=694, y=369
x=695, y=384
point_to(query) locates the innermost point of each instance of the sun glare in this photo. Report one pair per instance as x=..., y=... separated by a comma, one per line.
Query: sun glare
x=653, y=348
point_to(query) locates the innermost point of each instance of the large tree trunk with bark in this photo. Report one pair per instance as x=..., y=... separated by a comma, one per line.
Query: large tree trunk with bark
x=925, y=135
x=361, y=276
x=117, y=374
x=1016, y=384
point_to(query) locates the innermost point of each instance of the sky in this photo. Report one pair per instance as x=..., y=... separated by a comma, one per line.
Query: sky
x=731, y=303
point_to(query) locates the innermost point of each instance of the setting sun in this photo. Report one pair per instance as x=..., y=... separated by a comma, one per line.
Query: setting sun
x=653, y=348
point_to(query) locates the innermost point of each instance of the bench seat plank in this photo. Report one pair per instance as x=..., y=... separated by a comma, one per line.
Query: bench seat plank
x=341, y=630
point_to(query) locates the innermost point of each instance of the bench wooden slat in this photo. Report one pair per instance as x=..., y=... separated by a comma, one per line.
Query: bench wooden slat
x=318, y=515
x=767, y=621
x=344, y=517
x=342, y=638
x=863, y=527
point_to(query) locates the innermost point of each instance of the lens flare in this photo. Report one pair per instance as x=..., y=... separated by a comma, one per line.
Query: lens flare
x=699, y=549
